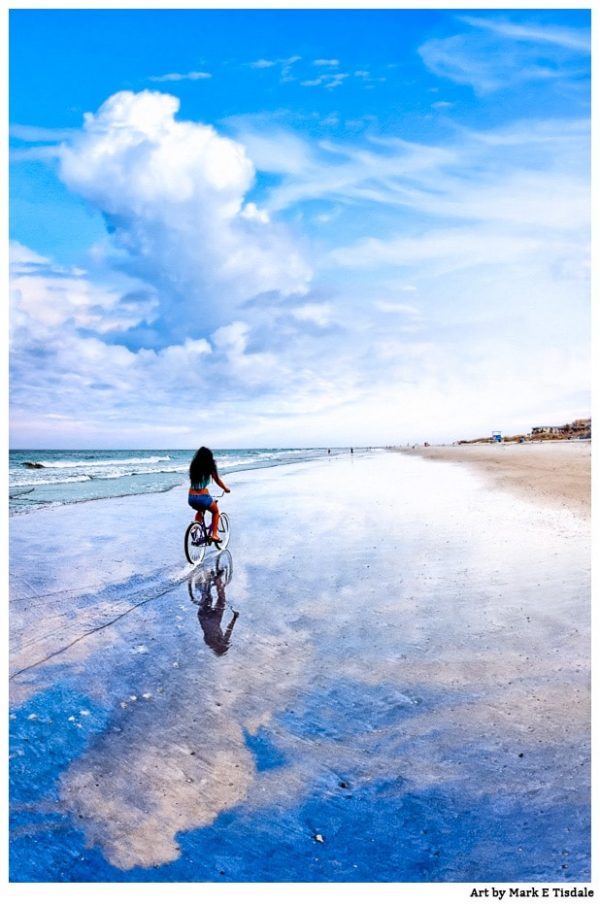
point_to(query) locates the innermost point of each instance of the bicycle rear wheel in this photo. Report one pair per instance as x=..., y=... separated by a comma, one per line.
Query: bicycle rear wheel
x=194, y=544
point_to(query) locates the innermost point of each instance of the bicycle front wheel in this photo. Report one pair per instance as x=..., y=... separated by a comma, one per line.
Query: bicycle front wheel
x=223, y=530
x=194, y=544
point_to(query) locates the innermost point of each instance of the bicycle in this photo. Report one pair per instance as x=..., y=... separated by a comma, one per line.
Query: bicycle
x=197, y=538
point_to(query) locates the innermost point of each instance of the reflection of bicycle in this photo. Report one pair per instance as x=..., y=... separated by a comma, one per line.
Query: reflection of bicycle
x=197, y=536
x=200, y=580
x=207, y=591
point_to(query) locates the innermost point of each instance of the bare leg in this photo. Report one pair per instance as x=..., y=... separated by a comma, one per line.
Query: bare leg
x=214, y=527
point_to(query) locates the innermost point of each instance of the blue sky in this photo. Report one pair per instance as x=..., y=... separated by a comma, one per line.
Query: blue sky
x=297, y=227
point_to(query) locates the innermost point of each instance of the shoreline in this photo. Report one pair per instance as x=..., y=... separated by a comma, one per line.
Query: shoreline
x=553, y=473
x=20, y=502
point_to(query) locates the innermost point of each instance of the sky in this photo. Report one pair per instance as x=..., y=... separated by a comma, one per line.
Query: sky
x=298, y=227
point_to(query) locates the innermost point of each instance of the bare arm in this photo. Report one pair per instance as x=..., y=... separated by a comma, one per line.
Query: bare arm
x=217, y=480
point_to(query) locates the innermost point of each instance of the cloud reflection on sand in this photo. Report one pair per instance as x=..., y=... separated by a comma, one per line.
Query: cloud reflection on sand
x=181, y=759
x=431, y=655
x=133, y=795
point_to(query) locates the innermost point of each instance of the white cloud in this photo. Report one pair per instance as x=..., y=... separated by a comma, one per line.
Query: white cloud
x=251, y=212
x=173, y=194
x=22, y=257
x=331, y=80
x=67, y=367
x=181, y=77
x=274, y=149
x=393, y=307
x=571, y=38
x=62, y=352
x=36, y=152
x=218, y=296
x=50, y=297
x=439, y=252
x=37, y=133
x=496, y=53
x=314, y=313
x=284, y=66
x=527, y=176
x=380, y=171
x=252, y=369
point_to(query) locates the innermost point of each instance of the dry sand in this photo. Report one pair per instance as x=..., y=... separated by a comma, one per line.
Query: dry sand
x=553, y=472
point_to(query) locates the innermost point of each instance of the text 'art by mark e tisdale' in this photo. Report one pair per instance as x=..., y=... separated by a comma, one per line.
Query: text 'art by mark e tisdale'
x=532, y=892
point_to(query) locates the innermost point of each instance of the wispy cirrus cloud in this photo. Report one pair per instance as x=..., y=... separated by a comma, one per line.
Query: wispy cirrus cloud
x=331, y=80
x=328, y=77
x=35, y=152
x=569, y=38
x=36, y=143
x=180, y=77
x=263, y=64
x=491, y=230
x=38, y=133
x=284, y=66
x=496, y=53
x=529, y=173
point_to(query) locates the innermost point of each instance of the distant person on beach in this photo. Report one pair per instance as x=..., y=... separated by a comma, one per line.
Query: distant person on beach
x=203, y=469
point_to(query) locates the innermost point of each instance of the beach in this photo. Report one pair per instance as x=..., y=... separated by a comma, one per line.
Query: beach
x=385, y=678
x=549, y=473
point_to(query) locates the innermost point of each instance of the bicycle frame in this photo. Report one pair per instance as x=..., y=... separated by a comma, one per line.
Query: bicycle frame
x=198, y=534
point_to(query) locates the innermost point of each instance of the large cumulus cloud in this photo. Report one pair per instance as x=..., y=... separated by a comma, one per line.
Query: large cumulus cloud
x=174, y=197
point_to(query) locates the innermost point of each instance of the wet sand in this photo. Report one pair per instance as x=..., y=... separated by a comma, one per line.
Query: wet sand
x=550, y=473
x=403, y=695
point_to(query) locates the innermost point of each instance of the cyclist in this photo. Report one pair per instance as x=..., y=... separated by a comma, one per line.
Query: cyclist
x=203, y=469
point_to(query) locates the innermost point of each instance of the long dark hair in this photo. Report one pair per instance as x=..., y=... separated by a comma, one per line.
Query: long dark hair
x=202, y=466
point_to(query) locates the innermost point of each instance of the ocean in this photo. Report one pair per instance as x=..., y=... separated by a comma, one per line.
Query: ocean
x=41, y=478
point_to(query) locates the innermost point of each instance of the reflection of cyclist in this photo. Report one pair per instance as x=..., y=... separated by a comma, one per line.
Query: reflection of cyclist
x=203, y=468
x=210, y=614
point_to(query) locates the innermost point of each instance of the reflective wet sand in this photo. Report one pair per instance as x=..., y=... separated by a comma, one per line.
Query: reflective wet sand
x=384, y=678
